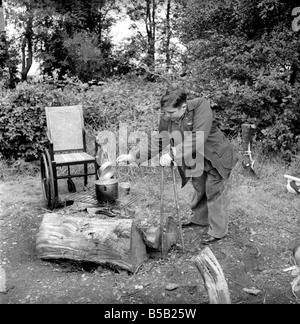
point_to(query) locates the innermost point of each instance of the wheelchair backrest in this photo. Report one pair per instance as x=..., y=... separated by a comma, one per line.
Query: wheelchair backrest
x=65, y=127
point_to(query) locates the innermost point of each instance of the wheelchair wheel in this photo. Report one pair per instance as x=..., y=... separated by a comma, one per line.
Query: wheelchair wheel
x=47, y=181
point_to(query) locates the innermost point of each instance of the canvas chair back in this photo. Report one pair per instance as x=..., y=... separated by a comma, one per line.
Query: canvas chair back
x=65, y=128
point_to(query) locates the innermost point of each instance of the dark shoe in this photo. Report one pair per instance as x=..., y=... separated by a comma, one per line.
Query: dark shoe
x=208, y=239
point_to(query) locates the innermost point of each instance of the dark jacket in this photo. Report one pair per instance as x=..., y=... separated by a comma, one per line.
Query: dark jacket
x=211, y=142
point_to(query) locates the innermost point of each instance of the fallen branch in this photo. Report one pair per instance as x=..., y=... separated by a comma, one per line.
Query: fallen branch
x=213, y=277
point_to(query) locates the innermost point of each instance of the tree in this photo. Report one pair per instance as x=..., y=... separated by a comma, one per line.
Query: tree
x=46, y=26
x=168, y=36
x=27, y=47
x=8, y=56
x=70, y=20
x=2, y=23
x=244, y=55
x=145, y=12
x=23, y=15
x=3, y=43
x=83, y=51
x=171, y=47
x=225, y=29
x=154, y=38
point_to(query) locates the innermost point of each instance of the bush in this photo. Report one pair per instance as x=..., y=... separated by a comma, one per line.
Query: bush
x=130, y=101
x=270, y=103
x=23, y=120
x=250, y=82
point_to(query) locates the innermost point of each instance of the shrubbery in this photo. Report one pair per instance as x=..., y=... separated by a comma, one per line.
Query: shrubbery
x=270, y=103
x=250, y=83
x=23, y=120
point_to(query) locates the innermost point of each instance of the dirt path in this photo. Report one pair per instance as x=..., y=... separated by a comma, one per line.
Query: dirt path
x=264, y=225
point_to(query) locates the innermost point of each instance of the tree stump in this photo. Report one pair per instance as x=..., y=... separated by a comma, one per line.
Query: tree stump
x=81, y=238
x=213, y=277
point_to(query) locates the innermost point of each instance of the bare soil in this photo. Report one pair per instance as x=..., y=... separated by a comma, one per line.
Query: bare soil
x=264, y=226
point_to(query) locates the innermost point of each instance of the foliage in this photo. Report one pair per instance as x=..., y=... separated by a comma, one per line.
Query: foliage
x=86, y=56
x=22, y=114
x=244, y=56
x=47, y=28
x=81, y=25
x=241, y=54
x=154, y=41
x=8, y=62
x=22, y=118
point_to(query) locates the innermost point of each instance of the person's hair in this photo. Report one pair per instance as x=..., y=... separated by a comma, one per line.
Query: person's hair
x=173, y=98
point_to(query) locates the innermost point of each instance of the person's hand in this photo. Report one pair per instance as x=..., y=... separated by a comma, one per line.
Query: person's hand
x=166, y=160
x=125, y=158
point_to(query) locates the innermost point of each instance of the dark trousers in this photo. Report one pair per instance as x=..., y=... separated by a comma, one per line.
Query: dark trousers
x=210, y=201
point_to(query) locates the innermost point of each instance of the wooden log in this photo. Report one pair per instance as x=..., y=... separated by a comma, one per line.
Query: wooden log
x=213, y=277
x=105, y=241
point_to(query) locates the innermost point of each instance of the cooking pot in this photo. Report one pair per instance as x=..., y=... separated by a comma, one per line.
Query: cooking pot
x=107, y=190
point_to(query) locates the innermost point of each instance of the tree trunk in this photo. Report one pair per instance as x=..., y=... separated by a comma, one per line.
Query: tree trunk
x=27, y=45
x=82, y=238
x=2, y=23
x=168, y=37
x=213, y=277
x=151, y=32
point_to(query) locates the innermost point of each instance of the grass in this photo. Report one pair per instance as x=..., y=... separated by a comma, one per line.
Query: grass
x=22, y=183
x=264, y=217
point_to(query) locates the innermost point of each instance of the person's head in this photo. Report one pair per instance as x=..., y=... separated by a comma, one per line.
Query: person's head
x=173, y=104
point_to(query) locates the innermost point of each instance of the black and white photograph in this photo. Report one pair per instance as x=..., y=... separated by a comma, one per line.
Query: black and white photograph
x=149, y=154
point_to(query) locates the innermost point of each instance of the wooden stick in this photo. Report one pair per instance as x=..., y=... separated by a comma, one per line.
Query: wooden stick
x=177, y=207
x=213, y=277
x=162, y=209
